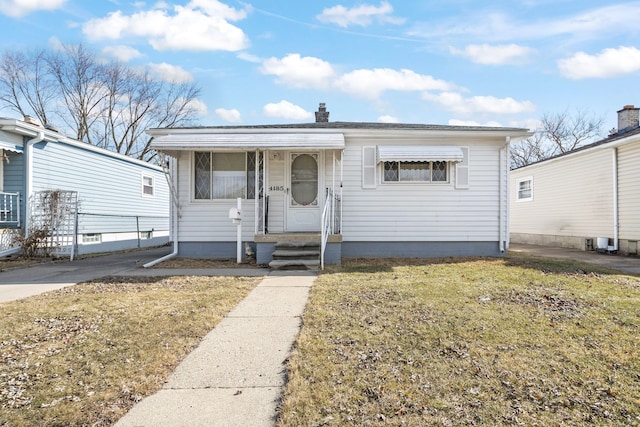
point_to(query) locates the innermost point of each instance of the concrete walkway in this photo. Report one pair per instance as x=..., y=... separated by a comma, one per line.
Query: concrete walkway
x=235, y=377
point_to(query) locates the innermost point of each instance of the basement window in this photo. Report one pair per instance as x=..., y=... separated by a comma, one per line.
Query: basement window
x=92, y=238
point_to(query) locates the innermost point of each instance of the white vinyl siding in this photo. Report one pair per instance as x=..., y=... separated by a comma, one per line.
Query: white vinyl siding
x=422, y=211
x=108, y=188
x=628, y=191
x=396, y=212
x=573, y=197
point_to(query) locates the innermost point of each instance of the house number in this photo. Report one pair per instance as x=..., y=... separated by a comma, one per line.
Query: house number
x=276, y=188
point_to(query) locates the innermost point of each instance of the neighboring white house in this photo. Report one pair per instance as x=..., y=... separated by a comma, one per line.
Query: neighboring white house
x=103, y=201
x=370, y=189
x=586, y=196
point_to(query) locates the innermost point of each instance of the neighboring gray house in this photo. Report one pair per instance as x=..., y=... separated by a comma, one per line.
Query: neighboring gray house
x=588, y=198
x=94, y=200
x=354, y=189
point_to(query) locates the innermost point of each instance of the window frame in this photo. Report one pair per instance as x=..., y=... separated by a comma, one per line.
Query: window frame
x=249, y=180
x=91, y=238
x=519, y=190
x=430, y=168
x=145, y=185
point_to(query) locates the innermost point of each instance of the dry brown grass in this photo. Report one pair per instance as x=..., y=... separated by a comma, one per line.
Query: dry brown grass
x=83, y=355
x=206, y=263
x=9, y=263
x=516, y=341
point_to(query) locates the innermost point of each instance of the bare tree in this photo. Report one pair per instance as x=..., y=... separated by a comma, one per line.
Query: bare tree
x=81, y=79
x=559, y=133
x=105, y=104
x=26, y=85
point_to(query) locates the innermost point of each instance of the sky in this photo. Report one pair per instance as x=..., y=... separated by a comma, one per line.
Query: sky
x=456, y=62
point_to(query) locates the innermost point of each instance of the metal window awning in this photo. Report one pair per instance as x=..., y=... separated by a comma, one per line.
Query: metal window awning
x=10, y=147
x=247, y=141
x=419, y=153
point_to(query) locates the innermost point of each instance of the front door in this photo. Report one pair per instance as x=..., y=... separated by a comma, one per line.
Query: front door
x=303, y=201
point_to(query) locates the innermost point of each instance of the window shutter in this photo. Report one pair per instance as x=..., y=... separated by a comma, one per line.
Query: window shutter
x=462, y=170
x=369, y=166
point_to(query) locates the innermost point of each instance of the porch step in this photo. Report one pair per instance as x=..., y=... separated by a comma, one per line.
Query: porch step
x=302, y=254
x=296, y=255
x=295, y=264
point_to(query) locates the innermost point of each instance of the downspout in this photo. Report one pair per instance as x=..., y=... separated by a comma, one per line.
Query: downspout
x=28, y=160
x=504, y=196
x=174, y=217
x=616, y=220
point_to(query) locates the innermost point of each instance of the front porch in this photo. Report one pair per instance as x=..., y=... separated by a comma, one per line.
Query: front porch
x=291, y=250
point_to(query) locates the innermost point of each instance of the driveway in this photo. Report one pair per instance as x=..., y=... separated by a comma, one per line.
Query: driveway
x=623, y=263
x=24, y=282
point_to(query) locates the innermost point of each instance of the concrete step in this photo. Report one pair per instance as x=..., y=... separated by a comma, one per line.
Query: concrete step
x=295, y=264
x=295, y=253
x=296, y=245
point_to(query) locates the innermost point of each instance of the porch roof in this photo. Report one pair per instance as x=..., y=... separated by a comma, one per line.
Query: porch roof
x=10, y=147
x=419, y=153
x=247, y=141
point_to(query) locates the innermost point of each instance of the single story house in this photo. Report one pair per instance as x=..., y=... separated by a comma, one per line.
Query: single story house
x=588, y=198
x=352, y=189
x=89, y=199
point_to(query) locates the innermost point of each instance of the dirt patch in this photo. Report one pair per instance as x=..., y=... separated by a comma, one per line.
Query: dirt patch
x=559, y=305
x=206, y=263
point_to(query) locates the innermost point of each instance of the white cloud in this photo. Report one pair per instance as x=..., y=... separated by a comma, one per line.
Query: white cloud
x=388, y=119
x=170, y=73
x=286, y=110
x=362, y=15
x=479, y=104
x=371, y=83
x=607, y=63
x=199, y=106
x=488, y=26
x=55, y=44
x=249, y=58
x=494, y=54
x=18, y=8
x=122, y=53
x=232, y=116
x=300, y=72
x=455, y=122
x=201, y=25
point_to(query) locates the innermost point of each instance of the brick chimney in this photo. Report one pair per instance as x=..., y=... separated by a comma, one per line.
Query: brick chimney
x=322, y=115
x=628, y=118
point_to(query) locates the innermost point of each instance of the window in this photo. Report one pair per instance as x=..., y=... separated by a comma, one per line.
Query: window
x=92, y=238
x=525, y=189
x=415, y=172
x=147, y=185
x=145, y=235
x=224, y=175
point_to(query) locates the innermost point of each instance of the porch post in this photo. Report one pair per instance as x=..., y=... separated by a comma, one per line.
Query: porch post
x=256, y=195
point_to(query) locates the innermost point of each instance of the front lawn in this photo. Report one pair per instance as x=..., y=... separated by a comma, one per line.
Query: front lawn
x=515, y=341
x=84, y=355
